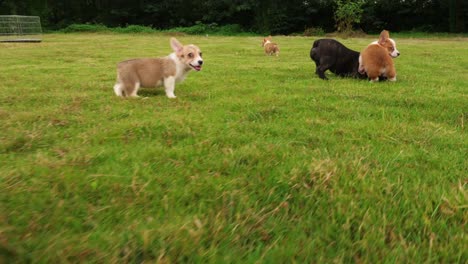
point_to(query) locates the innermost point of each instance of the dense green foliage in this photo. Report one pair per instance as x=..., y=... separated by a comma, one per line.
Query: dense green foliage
x=347, y=14
x=257, y=160
x=273, y=16
x=197, y=29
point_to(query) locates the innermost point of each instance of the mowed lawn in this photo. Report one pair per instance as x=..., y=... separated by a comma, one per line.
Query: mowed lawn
x=256, y=160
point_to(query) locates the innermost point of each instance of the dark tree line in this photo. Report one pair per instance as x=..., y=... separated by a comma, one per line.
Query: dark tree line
x=262, y=16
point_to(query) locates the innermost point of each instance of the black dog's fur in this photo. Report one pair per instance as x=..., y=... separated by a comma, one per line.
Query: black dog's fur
x=329, y=54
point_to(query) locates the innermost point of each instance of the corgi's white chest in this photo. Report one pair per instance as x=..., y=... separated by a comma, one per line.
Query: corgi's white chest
x=180, y=72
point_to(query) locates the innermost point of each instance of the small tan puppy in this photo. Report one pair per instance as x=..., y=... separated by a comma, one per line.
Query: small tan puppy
x=270, y=47
x=152, y=72
x=377, y=59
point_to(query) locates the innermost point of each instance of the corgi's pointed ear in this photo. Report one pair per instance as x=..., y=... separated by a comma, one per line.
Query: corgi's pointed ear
x=176, y=45
x=384, y=36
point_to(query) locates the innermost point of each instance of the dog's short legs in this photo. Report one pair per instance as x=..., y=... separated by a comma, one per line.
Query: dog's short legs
x=323, y=66
x=169, y=85
x=134, y=91
x=118, y=89
x=373, y=75
x=391, y=74
x=321, y=72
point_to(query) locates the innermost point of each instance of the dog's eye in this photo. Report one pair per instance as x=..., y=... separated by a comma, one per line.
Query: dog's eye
x=190, y=55
x=200, y=54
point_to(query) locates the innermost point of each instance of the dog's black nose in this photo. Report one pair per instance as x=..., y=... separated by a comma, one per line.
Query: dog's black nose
x=200, y=62
x=398, y=54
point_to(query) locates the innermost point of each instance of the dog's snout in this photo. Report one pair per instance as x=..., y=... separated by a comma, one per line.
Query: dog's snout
x=398, y=54
x=200, y=62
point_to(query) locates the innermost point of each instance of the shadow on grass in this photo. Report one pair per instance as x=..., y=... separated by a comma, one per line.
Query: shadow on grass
x=151, y=92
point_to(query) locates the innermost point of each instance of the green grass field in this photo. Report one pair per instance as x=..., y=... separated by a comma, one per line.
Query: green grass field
x=257, y=160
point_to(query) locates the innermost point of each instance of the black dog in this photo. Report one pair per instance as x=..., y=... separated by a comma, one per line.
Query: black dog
x=329, y=54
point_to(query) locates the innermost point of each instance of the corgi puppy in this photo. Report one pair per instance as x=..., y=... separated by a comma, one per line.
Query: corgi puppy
x=270, y=47
x=377, y=59
x=152, y=72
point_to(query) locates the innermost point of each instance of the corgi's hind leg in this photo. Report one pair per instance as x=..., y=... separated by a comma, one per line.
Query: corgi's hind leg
x=126, y=86
x=391, y=74
x=134, y=89
x=126, y=89
x=373, y=75
x=118, y=89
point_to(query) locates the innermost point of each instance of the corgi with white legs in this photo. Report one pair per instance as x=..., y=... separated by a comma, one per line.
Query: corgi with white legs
x=153, y=72
x=377, y=59
x=270, y=47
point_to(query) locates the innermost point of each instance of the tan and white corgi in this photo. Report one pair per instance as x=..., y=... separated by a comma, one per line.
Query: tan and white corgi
x=152, y=72
x=377, y=59
x=270, y=47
